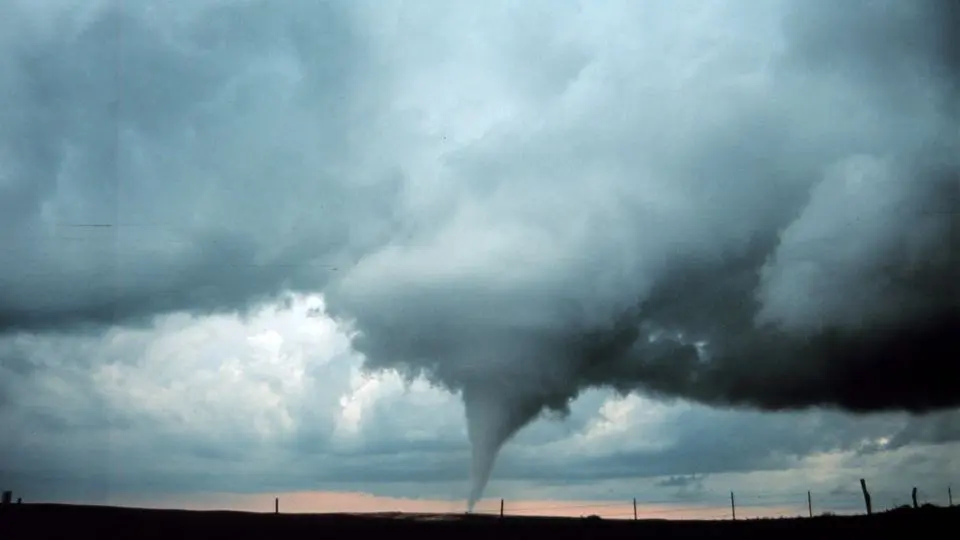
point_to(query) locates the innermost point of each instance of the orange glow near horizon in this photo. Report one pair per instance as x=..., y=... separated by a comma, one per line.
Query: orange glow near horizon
x=311, y=502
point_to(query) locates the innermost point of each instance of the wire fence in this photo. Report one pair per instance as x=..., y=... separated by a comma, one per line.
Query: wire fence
x=737, y=505
x=697, y=505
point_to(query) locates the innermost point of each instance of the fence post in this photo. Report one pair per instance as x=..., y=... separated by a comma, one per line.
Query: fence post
x=809, y=504
x=634, y=509
x=276, y=505
x=501, y=507
x=913, y=495
x=866, y=496
x=733, y=507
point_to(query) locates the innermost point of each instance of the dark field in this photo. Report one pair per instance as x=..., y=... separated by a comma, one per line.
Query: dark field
x=33, y=520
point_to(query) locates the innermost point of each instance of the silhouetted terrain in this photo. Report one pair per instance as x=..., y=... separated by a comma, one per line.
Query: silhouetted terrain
x=30, y=520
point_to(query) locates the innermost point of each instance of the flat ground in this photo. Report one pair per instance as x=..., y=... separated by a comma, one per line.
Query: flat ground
x=33, y=520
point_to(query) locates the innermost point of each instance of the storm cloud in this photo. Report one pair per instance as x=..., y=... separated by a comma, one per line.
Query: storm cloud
x=740, y=206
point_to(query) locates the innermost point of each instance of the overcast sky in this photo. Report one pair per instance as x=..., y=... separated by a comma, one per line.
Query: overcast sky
x=615, y=249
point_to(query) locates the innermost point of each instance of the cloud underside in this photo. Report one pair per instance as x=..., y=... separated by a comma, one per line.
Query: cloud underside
x=277, y=402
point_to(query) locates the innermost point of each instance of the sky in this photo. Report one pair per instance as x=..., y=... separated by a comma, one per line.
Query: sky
x=381, y=256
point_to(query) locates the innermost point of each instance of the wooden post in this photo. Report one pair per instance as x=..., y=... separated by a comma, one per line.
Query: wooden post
x=809, y=504
x=733, y=507
x=276, y=505
x=866, y=496
x=913, y=495
x=501, y=507
x=634, y=509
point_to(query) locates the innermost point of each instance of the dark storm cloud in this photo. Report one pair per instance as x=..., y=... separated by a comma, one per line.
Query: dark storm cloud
x=889, y=41
x=150, y=166
x=740, y=206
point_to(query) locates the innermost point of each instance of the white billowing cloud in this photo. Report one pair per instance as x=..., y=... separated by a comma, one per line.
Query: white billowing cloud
x=629, y=423
x=227, y=383
x=382, y=411
x=225, y=373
